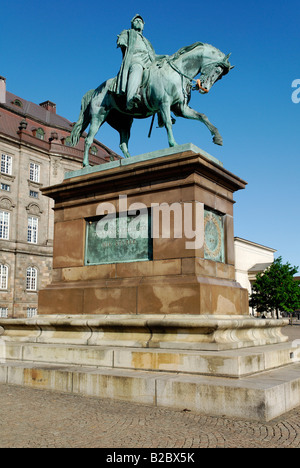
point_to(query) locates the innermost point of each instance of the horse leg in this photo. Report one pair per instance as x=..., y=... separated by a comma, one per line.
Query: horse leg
x=124, y=138
x=96, y=122
x=124, y=144
x=122, y=123
x=189, y=113
x=165, y=112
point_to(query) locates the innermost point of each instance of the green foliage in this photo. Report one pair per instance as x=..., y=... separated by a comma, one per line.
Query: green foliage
x=276, y=289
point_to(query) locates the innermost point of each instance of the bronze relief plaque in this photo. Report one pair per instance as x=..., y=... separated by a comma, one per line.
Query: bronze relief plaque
x=214, y=247
x=118, y=238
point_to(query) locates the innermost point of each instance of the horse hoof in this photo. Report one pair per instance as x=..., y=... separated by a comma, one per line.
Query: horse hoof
x=218, y=141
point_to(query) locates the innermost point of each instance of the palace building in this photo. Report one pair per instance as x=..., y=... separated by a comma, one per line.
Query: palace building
x=35, y=152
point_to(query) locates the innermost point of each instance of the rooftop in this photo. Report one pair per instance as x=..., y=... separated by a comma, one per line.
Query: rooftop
x=15, y=109
x=254, y=244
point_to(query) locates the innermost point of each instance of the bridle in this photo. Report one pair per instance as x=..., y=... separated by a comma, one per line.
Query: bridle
x=198, y=81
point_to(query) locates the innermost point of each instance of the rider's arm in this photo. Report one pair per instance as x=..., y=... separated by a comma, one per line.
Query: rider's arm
x=122, y=40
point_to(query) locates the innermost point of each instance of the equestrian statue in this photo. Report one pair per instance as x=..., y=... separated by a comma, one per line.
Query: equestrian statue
x=148, y=85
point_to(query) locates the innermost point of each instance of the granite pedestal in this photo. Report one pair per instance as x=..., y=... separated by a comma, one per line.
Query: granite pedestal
x=170, y=275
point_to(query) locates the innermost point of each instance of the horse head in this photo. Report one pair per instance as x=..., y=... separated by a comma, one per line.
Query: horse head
x=213, y=71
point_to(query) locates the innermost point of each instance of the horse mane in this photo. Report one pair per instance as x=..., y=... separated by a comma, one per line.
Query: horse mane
x=223, y=62
x=184, y=50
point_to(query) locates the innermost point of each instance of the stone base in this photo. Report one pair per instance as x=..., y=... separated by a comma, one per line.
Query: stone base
x=186, y=332
x=180, y=269
x=201, y=364
x=233, y=364
x=262, y=396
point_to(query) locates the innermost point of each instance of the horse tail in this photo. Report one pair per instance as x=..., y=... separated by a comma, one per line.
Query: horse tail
x=83, y=119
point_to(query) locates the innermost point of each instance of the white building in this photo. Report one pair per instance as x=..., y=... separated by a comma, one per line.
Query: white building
x=250, y=259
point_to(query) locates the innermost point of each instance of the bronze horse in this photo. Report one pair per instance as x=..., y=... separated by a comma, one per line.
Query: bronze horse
x=166, y=87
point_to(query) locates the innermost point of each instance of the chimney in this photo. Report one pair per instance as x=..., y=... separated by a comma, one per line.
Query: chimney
x=2, y=90
x=49, y=106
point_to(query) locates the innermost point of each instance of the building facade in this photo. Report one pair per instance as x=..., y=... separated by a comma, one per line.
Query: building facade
x=35, y=152
x=251, y=259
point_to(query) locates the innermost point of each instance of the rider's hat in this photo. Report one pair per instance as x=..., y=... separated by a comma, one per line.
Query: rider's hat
x=137, y=16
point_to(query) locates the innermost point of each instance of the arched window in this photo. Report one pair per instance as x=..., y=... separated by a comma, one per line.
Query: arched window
x=17, y=102
x=31, y=279
x=3, y=276
x=40, y=134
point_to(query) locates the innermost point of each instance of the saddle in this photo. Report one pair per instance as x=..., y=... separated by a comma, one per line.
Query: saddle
x=141, y=104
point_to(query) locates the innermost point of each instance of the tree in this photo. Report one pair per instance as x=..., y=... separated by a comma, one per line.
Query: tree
x=276, y=289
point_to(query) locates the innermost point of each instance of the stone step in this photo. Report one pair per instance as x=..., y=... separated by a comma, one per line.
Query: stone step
x=262, y=397
x=229, y=363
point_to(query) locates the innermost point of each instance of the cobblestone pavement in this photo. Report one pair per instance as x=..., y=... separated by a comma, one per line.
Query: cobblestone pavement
x=31, y=418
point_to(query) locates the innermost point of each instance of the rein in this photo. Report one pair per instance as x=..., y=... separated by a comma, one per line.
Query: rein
x=180, y=72
x=198, y=82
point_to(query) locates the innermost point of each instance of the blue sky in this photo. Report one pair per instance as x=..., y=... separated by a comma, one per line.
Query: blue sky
x=58, y=50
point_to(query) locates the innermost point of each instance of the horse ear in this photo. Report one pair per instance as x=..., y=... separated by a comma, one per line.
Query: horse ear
x=232, y=66
x=228, y=56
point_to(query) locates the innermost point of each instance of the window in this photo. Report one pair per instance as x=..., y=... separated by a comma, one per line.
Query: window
x=17, y=102
x=33, y=194
x=3, y=276
x=40, y=134
x=31, y=312
x=31, y=279
x=3, y=312
x=32, y=231
x=68, y=141
x=5, y=187
x=94, y=150
x=34, y=172
x=6, y=164
x=4, y=225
